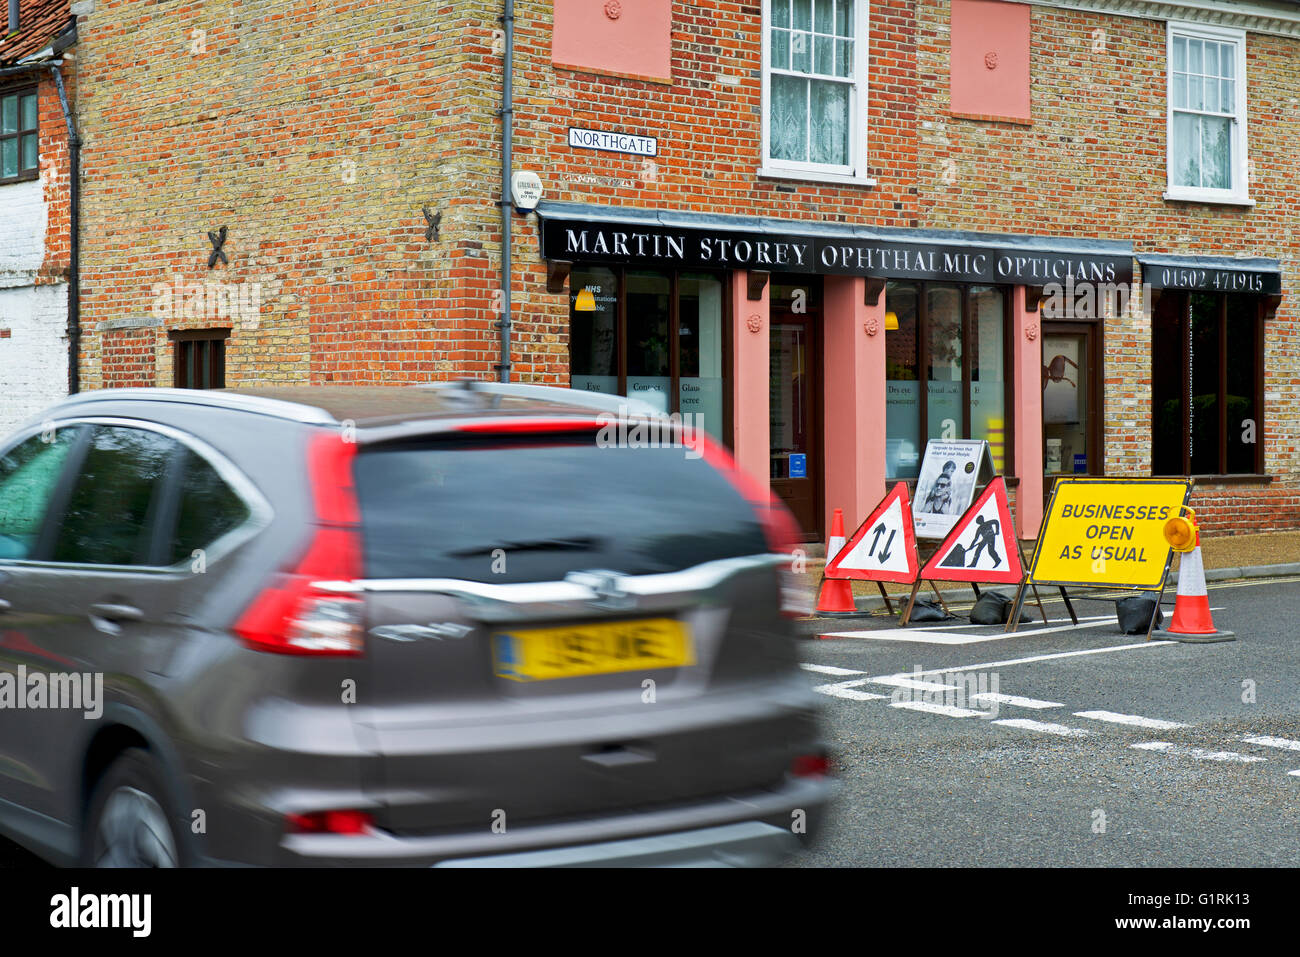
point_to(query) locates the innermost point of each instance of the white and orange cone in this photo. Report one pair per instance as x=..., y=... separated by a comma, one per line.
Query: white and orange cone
x=835, y=600
x=1192, y=621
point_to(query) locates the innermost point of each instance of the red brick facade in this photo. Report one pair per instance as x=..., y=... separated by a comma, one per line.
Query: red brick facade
x=318, y=136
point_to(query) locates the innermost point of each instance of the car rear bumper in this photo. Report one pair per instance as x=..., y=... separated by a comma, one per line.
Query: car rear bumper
x=753, y=829
x=747, y=844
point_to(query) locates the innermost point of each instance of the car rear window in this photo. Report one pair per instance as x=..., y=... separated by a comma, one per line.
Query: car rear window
x=513, y=510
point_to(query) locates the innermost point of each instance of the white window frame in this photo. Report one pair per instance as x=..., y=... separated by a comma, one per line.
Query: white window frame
x=1238, y=195
x=855, y=173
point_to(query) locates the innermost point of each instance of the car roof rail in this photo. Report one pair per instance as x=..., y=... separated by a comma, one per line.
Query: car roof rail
x=278, y=408
x=600, y=401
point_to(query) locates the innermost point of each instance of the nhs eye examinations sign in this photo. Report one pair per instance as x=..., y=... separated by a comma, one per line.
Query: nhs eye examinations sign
x=1108, y=532
x=613, y=142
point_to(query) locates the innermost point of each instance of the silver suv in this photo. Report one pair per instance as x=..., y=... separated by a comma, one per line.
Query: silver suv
x=459, y=626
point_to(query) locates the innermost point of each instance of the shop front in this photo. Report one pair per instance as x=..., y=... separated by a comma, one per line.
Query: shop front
x=827, y=355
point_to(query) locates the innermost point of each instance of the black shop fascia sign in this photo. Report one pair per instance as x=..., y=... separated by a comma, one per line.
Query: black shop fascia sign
x=1212, y=274
x=578, y=233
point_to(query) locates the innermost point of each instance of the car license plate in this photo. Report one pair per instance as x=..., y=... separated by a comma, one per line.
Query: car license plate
x=541, y=654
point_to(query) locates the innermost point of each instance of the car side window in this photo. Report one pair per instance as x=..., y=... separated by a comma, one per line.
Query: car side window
x=208, y=509
x=28, y=474
x=110, y=512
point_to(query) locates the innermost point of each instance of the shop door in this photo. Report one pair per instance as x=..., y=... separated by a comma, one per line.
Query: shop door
x=795, y=423
x=1070, y=414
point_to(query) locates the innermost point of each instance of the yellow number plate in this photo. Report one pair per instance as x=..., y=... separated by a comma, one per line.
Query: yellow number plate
x=540, y=654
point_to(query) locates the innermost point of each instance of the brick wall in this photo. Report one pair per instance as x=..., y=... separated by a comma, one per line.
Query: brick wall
x=1092, y=164
x=316, y=135
x=128, y=356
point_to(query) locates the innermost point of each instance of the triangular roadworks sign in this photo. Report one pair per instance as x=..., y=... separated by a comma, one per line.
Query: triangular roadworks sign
x=883, y=549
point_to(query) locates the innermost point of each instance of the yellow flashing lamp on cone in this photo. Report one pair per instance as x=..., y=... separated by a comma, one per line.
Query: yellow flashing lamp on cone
x=1182, y=533
x=1192, y=620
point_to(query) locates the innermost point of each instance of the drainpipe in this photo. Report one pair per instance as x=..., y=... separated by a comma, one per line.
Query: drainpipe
x=74, y=239
x=74, y=212
x=507, y=135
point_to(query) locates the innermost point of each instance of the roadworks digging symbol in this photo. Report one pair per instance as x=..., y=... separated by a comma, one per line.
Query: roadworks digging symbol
x=884, y=546
x=982, y=545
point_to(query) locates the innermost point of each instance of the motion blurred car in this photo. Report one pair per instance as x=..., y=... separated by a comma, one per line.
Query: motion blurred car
x=451, y=626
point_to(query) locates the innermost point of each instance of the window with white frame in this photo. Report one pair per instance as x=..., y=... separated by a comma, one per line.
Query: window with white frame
x=1207, y=114
x=814, y=88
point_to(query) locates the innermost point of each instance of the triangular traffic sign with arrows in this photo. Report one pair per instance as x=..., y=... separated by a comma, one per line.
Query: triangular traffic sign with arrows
x=982, y=545
x=883, y=548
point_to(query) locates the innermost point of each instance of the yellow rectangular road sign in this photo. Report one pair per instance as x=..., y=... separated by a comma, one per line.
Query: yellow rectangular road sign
x=1108, y=532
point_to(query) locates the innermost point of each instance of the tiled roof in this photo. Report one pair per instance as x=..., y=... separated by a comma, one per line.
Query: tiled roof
x=39, y=22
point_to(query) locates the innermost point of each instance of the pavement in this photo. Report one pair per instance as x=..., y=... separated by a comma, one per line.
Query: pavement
x=1088, y=747
x=1225, y=558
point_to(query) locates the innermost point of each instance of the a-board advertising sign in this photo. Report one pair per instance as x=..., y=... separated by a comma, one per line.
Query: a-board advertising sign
x=1108, y=532
x=982, y=545
x=946, y=484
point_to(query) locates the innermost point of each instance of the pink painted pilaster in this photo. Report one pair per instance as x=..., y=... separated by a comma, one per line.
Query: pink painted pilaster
x=1028, y=388
x=853, y=368
x=751, y=429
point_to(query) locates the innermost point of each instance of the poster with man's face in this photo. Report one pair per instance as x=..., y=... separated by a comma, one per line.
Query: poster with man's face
x=946, y=485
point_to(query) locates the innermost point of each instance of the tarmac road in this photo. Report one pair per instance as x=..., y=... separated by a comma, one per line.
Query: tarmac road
x=1156, y=772
x=927, y=788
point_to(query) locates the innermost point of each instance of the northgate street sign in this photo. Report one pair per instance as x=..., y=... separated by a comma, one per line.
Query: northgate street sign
x=925, y=258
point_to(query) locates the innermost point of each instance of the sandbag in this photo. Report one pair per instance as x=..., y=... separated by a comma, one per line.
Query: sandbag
x=994, y=608
x=1134, y=613
x=923, y=610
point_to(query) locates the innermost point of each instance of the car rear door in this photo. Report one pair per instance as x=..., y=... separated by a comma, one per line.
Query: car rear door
x=557, y=627
x=96, y=601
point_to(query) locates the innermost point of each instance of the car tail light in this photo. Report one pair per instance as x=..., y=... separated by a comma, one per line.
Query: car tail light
x=811, y=765
x=532, y=425
x=779, y=526
x=329, y=822
x=293, y=616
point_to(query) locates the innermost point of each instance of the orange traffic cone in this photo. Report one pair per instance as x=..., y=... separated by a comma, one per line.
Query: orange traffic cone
x=835, y=600
x=1192, y=621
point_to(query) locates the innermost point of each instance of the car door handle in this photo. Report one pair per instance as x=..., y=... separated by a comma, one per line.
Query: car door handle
x=4, y=606
x=109, y=618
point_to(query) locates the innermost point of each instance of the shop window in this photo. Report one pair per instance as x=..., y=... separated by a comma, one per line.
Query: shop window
x=1207, y=114
x=653, y=336
x=18, y=135
x=199, y=359
x=946, y=371
x=815, y=88
x=1206, y=375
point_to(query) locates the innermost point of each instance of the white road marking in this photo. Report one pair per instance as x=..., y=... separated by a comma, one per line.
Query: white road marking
x=927, y=637
x=1044, y=726
x=1024, y=661
x=900, y=682
x=1023, y=627
x=831, y=670
x=943, y=709
x=1268, y=742
x=1136, y=720
x=1164, y=747
x=1015, y=700
x=844, y=689
x=916, y=637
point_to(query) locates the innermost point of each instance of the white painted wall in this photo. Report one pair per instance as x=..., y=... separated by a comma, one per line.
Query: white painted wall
x=34, y=359
x=23, y=219
x=34, y=356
